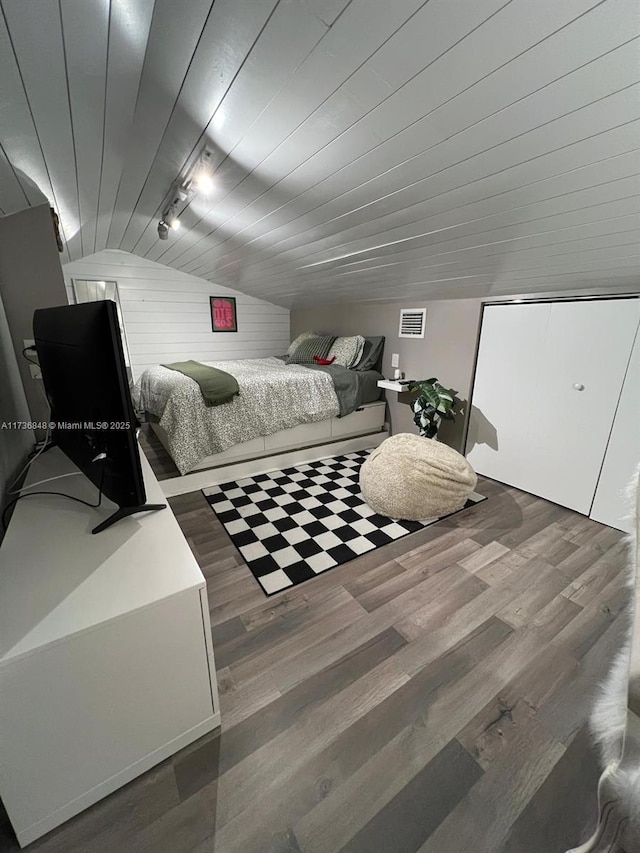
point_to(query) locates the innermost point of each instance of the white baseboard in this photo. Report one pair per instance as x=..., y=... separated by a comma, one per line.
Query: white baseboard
x=197, y=480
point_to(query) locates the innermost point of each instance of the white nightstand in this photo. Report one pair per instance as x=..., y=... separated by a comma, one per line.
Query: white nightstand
x=391, y=385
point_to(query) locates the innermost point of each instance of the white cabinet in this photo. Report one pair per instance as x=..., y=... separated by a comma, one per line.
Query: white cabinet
x=106, y=660
x=548, y=380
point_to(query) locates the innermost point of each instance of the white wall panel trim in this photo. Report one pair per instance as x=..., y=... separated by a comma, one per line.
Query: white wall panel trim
x=174, y=330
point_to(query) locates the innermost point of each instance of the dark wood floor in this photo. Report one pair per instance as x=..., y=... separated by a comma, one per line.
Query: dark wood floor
x=430, y=696
x=163, y=465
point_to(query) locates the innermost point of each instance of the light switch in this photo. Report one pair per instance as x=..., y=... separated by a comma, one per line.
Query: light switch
x=395, y=360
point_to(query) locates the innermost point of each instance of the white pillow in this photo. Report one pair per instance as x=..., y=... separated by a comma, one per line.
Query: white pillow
x=301, y=337
x=348, y=351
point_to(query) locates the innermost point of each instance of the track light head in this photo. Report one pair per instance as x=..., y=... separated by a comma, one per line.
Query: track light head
x=199, y=179
x=202, y=175
x=171, y=219
x=203, y=183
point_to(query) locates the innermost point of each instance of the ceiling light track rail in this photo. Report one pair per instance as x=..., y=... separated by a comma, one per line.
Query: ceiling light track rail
x=199, y=180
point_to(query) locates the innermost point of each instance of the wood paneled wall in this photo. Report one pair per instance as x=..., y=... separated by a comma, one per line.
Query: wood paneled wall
x=166, y=313
x=362, y=149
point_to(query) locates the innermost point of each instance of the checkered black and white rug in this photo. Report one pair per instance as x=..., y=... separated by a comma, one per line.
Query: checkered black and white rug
x=291, y=525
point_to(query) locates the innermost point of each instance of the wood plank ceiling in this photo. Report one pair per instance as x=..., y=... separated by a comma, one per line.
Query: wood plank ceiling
x=363, y=149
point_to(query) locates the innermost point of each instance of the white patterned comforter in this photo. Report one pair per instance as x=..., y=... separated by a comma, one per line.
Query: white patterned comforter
x=273, y=396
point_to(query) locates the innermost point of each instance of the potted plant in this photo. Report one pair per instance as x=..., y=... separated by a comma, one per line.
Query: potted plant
x=433, y=404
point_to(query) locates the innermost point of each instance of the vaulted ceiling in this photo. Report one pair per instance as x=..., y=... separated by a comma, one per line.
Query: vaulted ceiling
x=363, y=149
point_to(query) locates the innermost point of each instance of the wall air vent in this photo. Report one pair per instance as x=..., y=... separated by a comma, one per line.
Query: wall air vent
x=412, y=322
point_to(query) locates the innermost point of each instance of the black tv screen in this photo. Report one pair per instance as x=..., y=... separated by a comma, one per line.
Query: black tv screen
x=85, y=379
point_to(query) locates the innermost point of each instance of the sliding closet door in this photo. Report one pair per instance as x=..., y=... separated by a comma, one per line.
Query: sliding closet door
x=505, y=385
x=613, y=504
x=548, y=379
x=583, y=363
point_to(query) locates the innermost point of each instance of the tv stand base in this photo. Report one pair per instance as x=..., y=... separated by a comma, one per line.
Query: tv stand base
x=123, y=512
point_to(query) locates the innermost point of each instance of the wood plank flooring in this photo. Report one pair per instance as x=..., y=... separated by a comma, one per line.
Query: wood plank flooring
x=429, y=697
x=163, y=465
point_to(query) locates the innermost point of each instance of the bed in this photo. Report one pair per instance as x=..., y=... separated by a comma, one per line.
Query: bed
x=279, y=407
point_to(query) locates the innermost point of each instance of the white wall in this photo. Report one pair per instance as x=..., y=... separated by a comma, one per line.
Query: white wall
x=166, y=313
x=14, y=443
x=447, y=350
x=30, y=278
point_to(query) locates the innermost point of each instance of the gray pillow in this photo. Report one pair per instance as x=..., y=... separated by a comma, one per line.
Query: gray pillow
x=371, y=353
x=347, y=351
x=304, y=353
x=301, y=337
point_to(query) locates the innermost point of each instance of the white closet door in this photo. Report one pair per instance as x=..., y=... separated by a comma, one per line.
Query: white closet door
x=587, y=350
x=558, y=376
x=613, y=504
x=506, y=377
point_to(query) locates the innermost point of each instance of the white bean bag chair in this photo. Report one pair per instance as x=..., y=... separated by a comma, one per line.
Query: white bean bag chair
x=414, y=478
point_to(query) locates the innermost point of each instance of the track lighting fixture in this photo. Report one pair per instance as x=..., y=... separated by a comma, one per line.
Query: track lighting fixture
x=169, y=220
x=198, y=180
x=202, y=178
x=172, y=220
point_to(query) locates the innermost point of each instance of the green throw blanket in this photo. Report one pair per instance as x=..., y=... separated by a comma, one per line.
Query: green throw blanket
x=216, y=386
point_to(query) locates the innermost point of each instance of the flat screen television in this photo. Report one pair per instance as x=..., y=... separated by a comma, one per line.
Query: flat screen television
x=85, y=380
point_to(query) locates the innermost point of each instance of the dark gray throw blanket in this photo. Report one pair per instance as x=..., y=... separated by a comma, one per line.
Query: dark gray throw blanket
x=345, y=383
x=216, y=386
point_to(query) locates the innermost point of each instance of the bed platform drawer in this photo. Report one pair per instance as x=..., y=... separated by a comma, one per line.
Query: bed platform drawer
x=368, y=418
x=254, y=447
x=302, y=434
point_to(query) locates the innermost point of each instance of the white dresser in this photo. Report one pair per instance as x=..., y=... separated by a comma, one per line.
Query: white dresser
x=106, y=659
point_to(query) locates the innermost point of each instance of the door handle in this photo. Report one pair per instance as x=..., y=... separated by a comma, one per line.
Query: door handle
x=578, y=386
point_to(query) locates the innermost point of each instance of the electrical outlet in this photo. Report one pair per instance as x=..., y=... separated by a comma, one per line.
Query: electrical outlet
x=28, y=344
x=395, y=360
x=35, y=371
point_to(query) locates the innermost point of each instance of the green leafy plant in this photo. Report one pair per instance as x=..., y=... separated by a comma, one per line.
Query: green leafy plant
x=433, y=404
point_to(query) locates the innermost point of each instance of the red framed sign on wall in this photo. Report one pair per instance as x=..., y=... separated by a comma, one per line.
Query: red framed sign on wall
x=223, y=314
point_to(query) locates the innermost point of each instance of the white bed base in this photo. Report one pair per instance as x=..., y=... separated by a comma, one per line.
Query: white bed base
x=305, y=443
